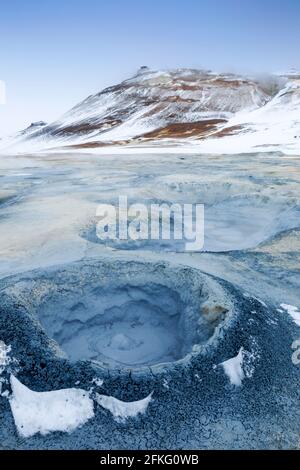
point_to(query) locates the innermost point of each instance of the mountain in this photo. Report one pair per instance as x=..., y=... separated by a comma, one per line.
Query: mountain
x=21, y=136
x=274, y=126
x=211, y=111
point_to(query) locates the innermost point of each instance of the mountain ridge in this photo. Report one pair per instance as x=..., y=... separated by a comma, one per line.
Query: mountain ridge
x=175, y=107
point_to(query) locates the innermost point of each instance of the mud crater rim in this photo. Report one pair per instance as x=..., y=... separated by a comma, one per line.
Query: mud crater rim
x=127, y=315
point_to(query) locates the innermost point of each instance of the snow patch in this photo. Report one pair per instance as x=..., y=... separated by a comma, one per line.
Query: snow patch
x=293, y=312
x=45, y=412
x=98, y=382
x=233, y=368
x=122, y=410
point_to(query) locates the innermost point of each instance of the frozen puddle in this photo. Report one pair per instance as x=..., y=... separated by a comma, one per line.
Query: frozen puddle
x=125, y=314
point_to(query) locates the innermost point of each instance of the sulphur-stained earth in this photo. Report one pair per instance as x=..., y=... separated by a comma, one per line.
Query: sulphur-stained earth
x=141, y=344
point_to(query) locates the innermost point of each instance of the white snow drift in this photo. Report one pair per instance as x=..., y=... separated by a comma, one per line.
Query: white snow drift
x=63, y=410
x=233, y=368
x=293, y=312
x=44, y=412
x=122, y=410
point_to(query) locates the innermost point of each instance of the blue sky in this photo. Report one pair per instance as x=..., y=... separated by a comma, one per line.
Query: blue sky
x=53, y=53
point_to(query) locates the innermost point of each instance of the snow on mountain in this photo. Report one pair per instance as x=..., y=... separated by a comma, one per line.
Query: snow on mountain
x=211, y=112
x=153, y=101
x=275, y=126
x=20, y=136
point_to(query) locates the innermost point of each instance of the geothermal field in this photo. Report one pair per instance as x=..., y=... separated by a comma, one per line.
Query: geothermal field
x=141, y=344
x=140, y=341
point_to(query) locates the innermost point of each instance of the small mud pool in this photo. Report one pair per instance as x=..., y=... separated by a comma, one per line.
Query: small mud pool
x=126, y=314
x=133, y=325
x=128, y=330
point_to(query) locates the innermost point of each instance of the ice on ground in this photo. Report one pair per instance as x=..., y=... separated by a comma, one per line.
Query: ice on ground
x=233, y=368
x=45, y=412
x=293, y=312
x=122, y=410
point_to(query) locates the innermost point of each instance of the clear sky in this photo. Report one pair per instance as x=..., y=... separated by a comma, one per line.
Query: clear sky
x=53, y=53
